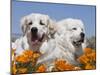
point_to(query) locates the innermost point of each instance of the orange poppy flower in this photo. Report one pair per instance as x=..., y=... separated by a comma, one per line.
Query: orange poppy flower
x=22, y=59
x=87, y=50
x=62, y=65
x=92, y=56
x=27, y=55
x=41, y=68
x=89, y=67
x=83, y=59
x=88, y=59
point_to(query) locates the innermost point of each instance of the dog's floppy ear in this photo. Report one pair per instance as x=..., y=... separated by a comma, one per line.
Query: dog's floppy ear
x=23, y=24
x=51, y=28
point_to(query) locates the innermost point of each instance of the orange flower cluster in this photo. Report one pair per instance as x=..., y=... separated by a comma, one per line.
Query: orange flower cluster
x=27, y=56
x=62, y=65
x=26, y=62
x=88, y=59
x=41, y=68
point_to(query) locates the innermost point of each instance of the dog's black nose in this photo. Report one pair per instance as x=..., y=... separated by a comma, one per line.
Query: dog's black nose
x=82, y=35
x=34, y=30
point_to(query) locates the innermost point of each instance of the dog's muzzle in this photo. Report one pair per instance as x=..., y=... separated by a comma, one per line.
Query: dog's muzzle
x=80, y=41
x=35, y=37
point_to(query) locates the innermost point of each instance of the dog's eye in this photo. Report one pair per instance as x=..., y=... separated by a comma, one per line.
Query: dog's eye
x=74, y=28
x=30, y=23
x=41, y=23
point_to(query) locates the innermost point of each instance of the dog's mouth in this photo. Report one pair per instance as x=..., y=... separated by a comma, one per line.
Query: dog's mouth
x=78, y=43
x=37, y=38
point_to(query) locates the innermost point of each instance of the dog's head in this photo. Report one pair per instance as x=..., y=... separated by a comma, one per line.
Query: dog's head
x=74, y=30
x=36, y=27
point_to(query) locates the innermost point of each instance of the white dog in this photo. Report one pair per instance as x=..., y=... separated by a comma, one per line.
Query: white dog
x=67, y=44
x=36, y=28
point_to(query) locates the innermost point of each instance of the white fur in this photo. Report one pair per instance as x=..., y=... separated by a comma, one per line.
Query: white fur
x=62, y=47
x=27, y=23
